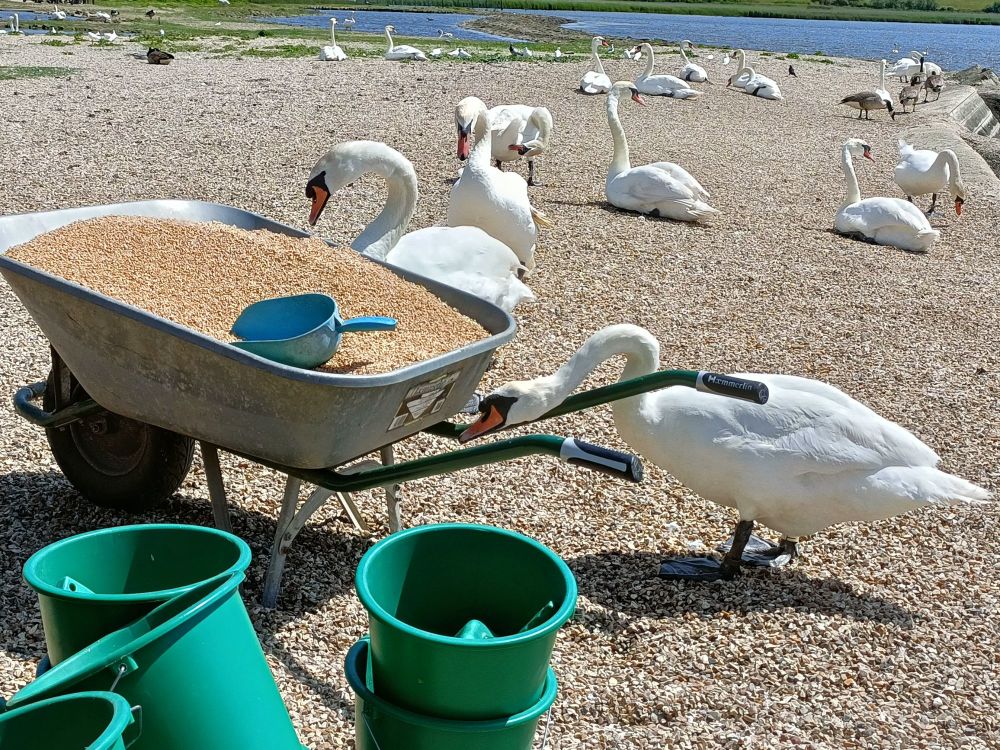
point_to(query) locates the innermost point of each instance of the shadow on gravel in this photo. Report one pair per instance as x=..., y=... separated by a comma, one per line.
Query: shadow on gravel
x=627, y=583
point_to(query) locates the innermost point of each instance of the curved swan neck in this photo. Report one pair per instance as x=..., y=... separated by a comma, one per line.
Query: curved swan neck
x=333, y=25
x=479, y=158
x=683, y=53
x=388, y=38
x=853, y=190
x=381, y=235
x=648, y=52
x=947, y=157
x=882, y=65
x=742, y=67
x=595, y=59
x=641, y=350
x=620, y=161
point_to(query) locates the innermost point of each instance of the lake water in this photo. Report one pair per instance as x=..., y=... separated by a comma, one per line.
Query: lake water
x=952, y=46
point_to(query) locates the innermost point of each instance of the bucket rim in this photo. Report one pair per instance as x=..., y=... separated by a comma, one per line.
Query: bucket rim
x=34, y=579
x=97, y=656
x=355, y=665
x=559, y=618
x=121, y=716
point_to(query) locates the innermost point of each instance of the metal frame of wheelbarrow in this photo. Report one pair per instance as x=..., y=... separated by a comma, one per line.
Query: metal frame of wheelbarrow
x=390, y=475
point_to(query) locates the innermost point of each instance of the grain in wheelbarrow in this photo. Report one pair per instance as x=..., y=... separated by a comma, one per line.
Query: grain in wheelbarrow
x=202, y=275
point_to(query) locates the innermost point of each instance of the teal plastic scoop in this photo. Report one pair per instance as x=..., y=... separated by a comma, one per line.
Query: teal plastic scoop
x=302, y=330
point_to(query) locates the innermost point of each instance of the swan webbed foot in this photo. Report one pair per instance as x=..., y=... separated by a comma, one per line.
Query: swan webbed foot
x=703, y=569
x=761, y=553
x=933, y=205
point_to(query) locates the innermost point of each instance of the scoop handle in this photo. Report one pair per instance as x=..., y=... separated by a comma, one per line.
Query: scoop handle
x=727, y=385
x=598, y=458
x=371, y=323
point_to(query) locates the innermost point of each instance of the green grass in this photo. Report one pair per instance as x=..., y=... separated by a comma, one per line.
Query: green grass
x=17, y=72
x=282, y=50
x=58, y=43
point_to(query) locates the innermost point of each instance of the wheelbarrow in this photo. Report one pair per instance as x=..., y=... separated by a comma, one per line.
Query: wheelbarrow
x=129, y=393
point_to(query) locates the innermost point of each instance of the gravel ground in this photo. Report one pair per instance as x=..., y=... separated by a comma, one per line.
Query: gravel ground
x=883, y=635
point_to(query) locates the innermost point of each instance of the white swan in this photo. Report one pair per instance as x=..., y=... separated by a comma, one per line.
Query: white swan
x=882, y=91
x=349, y=22
x=401, y=51
x=659, y=189
x=518, y=131
x=808, y=458
x=886, y=221
x=751, y=82
x=442, y=34
x=463, y=257
x=496, y=202
x=901, y=67
x=460, y=53
x=109, y=36
x=661, y=85
x=631, y=53
x=332, y=51
x=595, y=80
x=691, y=71
x=921, y=171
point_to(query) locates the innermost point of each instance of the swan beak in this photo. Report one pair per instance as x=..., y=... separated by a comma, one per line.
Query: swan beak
x=959, y=202
x=319, y=199
x=638, y=99
x=463, y=145
x=868, y=154
x=489, y=422
x=521, y=149
x=605, y=43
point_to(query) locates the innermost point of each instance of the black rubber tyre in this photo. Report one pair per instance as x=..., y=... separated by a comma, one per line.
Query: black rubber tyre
x=116, y=462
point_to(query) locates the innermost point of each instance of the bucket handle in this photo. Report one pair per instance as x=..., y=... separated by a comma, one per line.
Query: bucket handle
x=137, y=722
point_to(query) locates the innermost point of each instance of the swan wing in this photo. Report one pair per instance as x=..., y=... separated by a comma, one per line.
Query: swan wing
x=595, y=83
x=648, y=184
x=683, y=176
x=873, y=214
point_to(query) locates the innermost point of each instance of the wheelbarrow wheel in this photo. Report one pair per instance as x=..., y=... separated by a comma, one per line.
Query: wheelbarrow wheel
x=116, y=462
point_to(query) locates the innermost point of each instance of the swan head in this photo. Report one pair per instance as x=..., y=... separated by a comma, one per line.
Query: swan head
x=341, y=166
x=466, y=113
x=510, y=404
x=622, y=86
x=858, y=147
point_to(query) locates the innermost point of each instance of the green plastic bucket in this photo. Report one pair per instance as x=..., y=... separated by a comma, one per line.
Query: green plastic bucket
x=424, y=586
x=91, y=584
x=380, y=725
x=81, y=721
x=196, y=668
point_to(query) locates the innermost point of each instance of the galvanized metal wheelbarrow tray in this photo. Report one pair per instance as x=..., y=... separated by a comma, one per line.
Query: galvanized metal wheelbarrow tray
x=303, y=423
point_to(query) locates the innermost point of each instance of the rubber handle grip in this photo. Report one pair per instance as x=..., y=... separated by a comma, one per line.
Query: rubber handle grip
x=727, y=385
x=605, y=460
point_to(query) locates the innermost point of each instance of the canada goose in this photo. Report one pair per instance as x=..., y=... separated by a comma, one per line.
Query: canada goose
x=910, y=94
x=935, y=83
x=158, y=57
x=865, y=102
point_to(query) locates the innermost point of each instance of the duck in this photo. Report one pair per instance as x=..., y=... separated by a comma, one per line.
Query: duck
x=661, y=85
x=691, y=72
x=867, y=102
x=400, y=51
x=661, y=189
x=156, y=56
x=809, y=458
x=518, y=131
x=882, y=91
x=519, y=51
x=922, y=171
x=460, y=53
x=885, y=221
x=595, y=80
x=332, y=52
x=464, y=257
x=496, y=202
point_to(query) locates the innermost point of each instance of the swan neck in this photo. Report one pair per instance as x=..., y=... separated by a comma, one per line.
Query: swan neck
x=947, y=157
x=595, y=59
x=853, y=190
x=648, y=52
x=684, y=54
x=333, y=37
x=388, y=38
x=620, y=160
x=882, y=74
x=382, y=234
x=642, y=357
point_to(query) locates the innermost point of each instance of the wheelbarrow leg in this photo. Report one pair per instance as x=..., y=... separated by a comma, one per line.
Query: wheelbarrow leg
x=216, y=488
x=392, y=492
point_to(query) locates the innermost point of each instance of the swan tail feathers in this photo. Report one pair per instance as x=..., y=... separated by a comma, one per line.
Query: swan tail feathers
x=926, y=485
x=541, y=220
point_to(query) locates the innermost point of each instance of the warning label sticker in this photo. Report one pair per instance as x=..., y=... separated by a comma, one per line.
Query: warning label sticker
x=424, y=399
